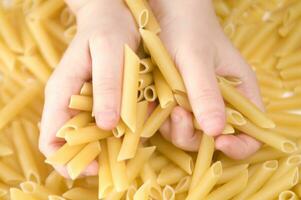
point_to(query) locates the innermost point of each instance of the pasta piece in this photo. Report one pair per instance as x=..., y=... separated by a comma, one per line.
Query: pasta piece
x=183, y=101
x=203, y=161
x=289, y=60
x=78, y=121
x=4, y=189
x=272, y=190
x=168, y=193
x=140, y=95
x=55, y=182
x=5, y=150
x=287, y=195
x=143, y=192
x=8, y=58
x=66, y=17
x=206, y=183
x=277, y=141
x=287, y=119
x=291, y=73
x=243, y=105
x=155, y=120
x=290, y=44
x=146, y=66
x=37, y=67
x=287, y=131
x=150, y=93
x=258, y=179
x=163, y=60
x=64, y=154
x=105, y=181
x=57, y=31
x=55, y=197
x=47, y=9
x=268, y=81
x=83, y=159
x=131, y=140
x=130, y=193
x=44, y=42
x=25, y=155
x=87, y=89
x=148, y=174
x=292, y=13
x=130, y=88
x=78, y=193
x=144, y=80
x=9, y=175
x=119, y=130
x=234, y=117
x=135, y=165
x=272, y=93
x=118, y=168
x=170, y=175
x=183, y=185
x=70, y=33
x=9, y=33
x=158, y=162
x=137, y=7
x=231, y=172
x=35, y=190
x=289, y=103
x=285, y=165
x=163, y=90
x=16, y=194
x=86, y=135
x=297, y=189
x=230, y=189
x=177, y=156
x=79, y=102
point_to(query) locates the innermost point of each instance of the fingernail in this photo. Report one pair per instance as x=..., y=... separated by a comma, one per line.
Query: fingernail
x=106, y=119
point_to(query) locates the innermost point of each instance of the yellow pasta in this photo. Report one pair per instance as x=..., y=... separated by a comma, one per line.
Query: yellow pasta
x=70, y=33
x=287, y=195
x=9, y=33
x=170, y=175
x=157, y=162
x=46, y=9
x=137, y=7
x=291, y=73
x=8, y=174
x=272, y=190
x=86, y=135
x=66, y=17
x=156, y=119
x=118, y=168
x=243, y=105
x=55, y=182
x=183, y=185
x=104, y=174
x=55, y=197
x=119, y=130
x=79, y=102
x=285, y=118
x=163, y=90
x=150, y=93
x=143, y=192
x=206, y=183
x=259, y=177
x=44, y=42
x=80, y=193
x=57, y=31
x=144, y=80
x=292, y=13
x=231, y=188
x=35, y=190
x=203, y=161
x=148, y=174
x=183, y=101
x=146, y=66
x=268, y=81
x=87, y=89
x=131, y=139
x=64, y=154
x=163, y=60
x=130, y=88
x=82, y=159
x=168, y=193
x=16, y=194
x=25, y=157
x=78, y=121
x=289, y=103
x=7, y=57
x=231, y=172
x=290, y=60
x=179, y=157
x=37, y=67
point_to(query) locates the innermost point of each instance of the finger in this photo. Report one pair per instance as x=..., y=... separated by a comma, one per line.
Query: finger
x=233, y=64
x=107, y=63
x=66, y=80
x=91, y=170
x=182, y=130
x=237, y=147
x=197, y=69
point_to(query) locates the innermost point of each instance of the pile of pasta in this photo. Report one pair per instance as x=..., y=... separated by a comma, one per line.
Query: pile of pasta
x=135, y=162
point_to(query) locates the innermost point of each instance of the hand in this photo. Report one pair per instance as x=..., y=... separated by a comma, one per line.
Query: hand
x=104, y=27
x=196, y=42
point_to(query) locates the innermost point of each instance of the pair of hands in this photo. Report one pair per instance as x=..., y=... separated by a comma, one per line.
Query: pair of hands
x=197, y=44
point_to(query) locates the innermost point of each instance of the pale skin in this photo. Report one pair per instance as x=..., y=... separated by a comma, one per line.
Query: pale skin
x=198, y=46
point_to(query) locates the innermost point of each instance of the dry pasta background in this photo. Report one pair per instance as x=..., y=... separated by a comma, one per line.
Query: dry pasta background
x=33, y=37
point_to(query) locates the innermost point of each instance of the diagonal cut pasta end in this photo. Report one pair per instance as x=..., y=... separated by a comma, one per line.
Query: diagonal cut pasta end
x=288, y=147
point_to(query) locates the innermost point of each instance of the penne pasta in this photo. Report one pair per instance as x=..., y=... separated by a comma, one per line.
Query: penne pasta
x=9, y=175
x=170, y=175
x=78, y=193
x=183, y=101
x=16, y=194
x=148, y=174
x=177, y=156
x=230, y=173
x=150, y=93
x=155, y=120
x=289, y=60
x=83, y=159
x=79, y=102
x=143, y=192
x=66, y=17
x=130, y=88
x=288, y=195
x=144, y=80
x=119, y=130
x=57, y=31
x=146, y=66
x=163, y=60
x=288, y=103
x=291, y=73
x=183, y=185
x=157, y=162
x=47, y=9
x=168, y=193
x=35, y=190
x=7, y=57
x=243, y=105
x=163, y=90
x=87, y=89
